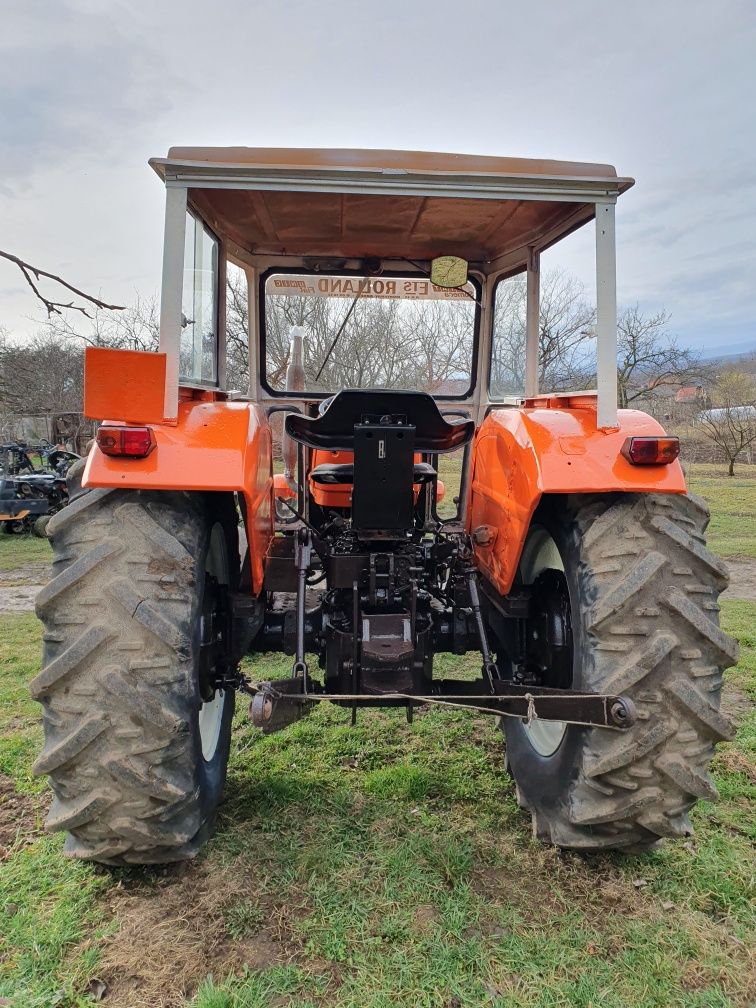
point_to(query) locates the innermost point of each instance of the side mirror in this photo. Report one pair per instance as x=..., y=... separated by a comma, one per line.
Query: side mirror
x=448, y=271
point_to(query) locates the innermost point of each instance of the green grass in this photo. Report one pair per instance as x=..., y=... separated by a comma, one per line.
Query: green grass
x=732, y=530
x=20, y=730
x=450, y=473
x=17, y=550
x=48, y=905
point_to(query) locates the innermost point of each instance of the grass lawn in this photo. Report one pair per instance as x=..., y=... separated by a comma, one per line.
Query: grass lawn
x=384, y=866
x=18, y=550
x=732, y=499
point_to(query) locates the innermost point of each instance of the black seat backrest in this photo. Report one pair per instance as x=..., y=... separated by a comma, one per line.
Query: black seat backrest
x=334, y=429
x=382, y=499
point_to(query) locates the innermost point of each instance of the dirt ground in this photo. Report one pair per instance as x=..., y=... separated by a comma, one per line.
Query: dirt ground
x=742, y=579
x=187, y=909
x=19, y=816
x=19, y=587
x=17, y=597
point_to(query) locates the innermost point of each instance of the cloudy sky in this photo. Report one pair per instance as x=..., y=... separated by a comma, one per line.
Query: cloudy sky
x=663, y=89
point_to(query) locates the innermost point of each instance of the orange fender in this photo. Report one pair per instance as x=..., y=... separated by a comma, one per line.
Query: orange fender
x=521, y=454
x=215, y=446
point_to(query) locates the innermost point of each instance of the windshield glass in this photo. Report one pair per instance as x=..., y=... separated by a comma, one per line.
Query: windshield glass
x=324, y=333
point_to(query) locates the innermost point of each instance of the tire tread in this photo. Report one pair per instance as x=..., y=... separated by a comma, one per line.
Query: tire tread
x=652, y=634
x=124, y=576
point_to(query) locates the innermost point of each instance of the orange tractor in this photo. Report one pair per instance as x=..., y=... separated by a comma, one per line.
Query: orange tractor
x=573, y=559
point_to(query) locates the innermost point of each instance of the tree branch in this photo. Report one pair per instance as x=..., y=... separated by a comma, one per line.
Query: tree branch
x=53, y=307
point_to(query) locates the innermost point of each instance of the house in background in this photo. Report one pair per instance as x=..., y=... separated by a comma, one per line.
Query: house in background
x=692, y=395
x=670, y=402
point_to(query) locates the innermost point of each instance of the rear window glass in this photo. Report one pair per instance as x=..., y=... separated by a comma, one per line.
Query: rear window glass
x=198, y=359
x=324, y=333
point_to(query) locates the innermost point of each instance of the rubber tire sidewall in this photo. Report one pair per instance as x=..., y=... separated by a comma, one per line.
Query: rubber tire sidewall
x=545, y=780
x=212, y=773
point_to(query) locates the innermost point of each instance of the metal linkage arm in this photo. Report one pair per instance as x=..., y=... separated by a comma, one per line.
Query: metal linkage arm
x=303, y=556
x=277, y=704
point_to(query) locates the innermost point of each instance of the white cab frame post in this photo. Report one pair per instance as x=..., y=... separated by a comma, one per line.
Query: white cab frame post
x=478, y=402
x=253, y=335
x=606, y=317
x=532, y=321
x=170, y=294
x=221, y=369
x=198, y=336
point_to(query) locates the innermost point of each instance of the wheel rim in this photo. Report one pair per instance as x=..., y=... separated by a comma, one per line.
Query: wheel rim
x=541, y=558
x=211, y=711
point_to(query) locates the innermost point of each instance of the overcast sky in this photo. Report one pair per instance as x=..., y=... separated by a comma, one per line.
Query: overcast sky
x=665, y=90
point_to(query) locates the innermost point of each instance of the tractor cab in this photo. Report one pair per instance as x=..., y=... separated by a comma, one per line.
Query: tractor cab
x=370, y=268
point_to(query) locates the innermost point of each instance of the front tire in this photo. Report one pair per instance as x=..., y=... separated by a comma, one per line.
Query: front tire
x=136, y=743
x=18, y=526
x=40, y=526
x=643, y=599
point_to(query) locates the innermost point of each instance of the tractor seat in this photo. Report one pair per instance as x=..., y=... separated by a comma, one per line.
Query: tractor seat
x=334, y=429
x=328, y=474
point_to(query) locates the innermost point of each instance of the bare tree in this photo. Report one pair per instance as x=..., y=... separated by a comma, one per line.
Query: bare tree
x=33, y=275
x=407, y=344
x=566, y=356
x=731, y=423
x=566, y=352
x=508, y=353
x=45, y=375
x=237, y=329
x=41, y=376
x=649, y=357
x=437, y=337
x=381, y=343
x=135, y=328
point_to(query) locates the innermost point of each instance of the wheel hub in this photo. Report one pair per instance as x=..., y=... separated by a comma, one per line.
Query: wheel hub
x=548, y=659
x=216, y=638
x=549, y=632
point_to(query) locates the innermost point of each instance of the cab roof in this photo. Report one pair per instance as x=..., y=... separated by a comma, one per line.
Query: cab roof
x=389, y=204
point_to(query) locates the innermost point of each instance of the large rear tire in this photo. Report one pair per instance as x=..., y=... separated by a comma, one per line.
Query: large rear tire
x=644, y=616
x=136, y=758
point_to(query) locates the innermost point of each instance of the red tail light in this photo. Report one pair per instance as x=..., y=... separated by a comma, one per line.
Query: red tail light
x=651, y=450
x=131, y=442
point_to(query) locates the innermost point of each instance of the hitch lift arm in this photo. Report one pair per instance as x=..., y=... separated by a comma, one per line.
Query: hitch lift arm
x=279, y=703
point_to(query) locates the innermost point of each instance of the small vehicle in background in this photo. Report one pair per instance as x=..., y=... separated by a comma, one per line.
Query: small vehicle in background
x=29, y=496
